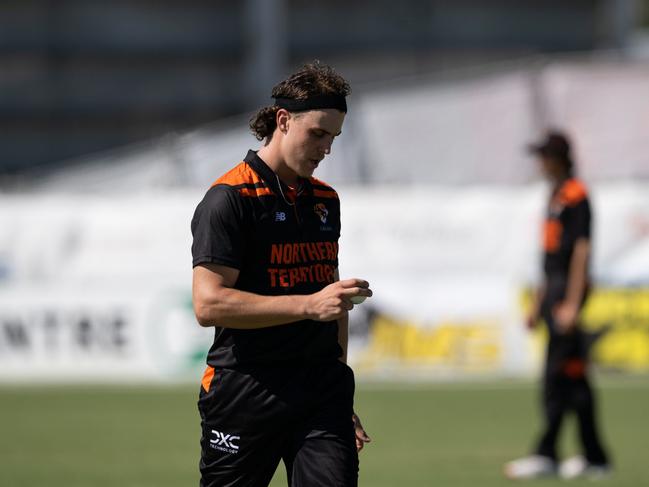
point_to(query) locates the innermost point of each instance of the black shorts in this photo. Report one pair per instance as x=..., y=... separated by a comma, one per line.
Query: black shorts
x=253, y=417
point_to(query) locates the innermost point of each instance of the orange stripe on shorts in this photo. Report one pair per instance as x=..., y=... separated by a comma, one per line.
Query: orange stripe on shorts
x=207, y=378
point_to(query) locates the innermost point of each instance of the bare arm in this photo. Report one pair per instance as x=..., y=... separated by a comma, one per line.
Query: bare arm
x=578, y=272
x=568, y=311
x=217, y=303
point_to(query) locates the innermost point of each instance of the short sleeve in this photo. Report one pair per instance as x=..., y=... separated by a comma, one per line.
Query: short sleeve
x=582, y=217
x=217, y=229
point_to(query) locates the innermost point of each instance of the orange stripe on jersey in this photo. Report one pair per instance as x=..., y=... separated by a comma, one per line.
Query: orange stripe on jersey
x=325, y=194
x=242, y=173
x=322, y=189
x=319, y=182
x=572, y=192
x=207, y=378
x=552, y=235
x=255, y=192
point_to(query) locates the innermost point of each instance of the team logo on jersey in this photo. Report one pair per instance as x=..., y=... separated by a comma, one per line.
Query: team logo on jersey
x=224, y=442
x=280, y=216
x=321, y=210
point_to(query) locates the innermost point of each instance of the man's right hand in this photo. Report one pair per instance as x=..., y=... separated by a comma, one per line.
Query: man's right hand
x=333, y=302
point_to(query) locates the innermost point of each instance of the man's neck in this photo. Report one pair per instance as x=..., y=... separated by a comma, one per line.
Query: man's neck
x=560, y=179
x=271, y=155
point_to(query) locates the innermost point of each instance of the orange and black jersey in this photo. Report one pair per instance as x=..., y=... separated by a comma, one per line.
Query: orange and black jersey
x=282, y=242
x=568, y=219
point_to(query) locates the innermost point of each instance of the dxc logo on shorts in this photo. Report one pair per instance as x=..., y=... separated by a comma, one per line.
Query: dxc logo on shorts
x=224, y=442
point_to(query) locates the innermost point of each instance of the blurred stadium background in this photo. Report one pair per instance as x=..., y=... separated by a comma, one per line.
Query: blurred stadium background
x=116, y=116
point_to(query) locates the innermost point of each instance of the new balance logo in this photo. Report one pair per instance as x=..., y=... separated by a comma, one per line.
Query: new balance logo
x=224, y=442
x=280, y=216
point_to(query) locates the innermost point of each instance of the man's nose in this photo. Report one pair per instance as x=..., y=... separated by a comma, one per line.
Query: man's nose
x=327, y=147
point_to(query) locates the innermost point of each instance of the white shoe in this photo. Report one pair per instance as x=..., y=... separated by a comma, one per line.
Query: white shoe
x=531, y=467
x=578, y=467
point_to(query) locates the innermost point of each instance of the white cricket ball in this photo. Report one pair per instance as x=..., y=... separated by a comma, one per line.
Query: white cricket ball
x=357, y=299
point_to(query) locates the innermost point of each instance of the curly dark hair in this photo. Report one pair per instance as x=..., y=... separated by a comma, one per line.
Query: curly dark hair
x=312, y=79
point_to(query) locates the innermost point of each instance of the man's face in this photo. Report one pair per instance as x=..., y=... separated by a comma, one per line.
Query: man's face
x=308, y=138
x=550, y=168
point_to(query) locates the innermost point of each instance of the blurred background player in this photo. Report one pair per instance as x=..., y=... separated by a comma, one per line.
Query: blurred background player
x=265, y=256
x=559, y=301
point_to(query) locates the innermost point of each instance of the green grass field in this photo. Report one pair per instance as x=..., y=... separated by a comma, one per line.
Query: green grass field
x=454, y=435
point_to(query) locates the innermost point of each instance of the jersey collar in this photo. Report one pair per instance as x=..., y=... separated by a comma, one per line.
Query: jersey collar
x=268, y=175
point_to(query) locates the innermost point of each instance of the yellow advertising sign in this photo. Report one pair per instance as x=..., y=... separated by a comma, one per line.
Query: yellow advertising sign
x=621, y=315
x=464, y=347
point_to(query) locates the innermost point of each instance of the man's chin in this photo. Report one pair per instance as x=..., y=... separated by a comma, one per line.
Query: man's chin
x=307, y=173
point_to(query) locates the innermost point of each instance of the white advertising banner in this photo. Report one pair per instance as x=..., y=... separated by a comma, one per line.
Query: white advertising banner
x=95, y=334
x=98, y=288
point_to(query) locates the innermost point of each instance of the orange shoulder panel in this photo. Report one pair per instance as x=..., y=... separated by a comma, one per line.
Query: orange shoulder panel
x=255, y=192
x=242, y=173
x=572, y=192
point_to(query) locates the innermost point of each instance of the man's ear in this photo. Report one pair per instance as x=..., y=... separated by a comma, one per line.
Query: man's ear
x=281, y=118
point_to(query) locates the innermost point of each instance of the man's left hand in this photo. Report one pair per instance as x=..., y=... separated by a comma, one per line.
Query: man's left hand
x=565, y=315
x=361, y=435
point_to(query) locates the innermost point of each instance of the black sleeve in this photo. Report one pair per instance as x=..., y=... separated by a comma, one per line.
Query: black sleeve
x=218, y=228
x=581, y=219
